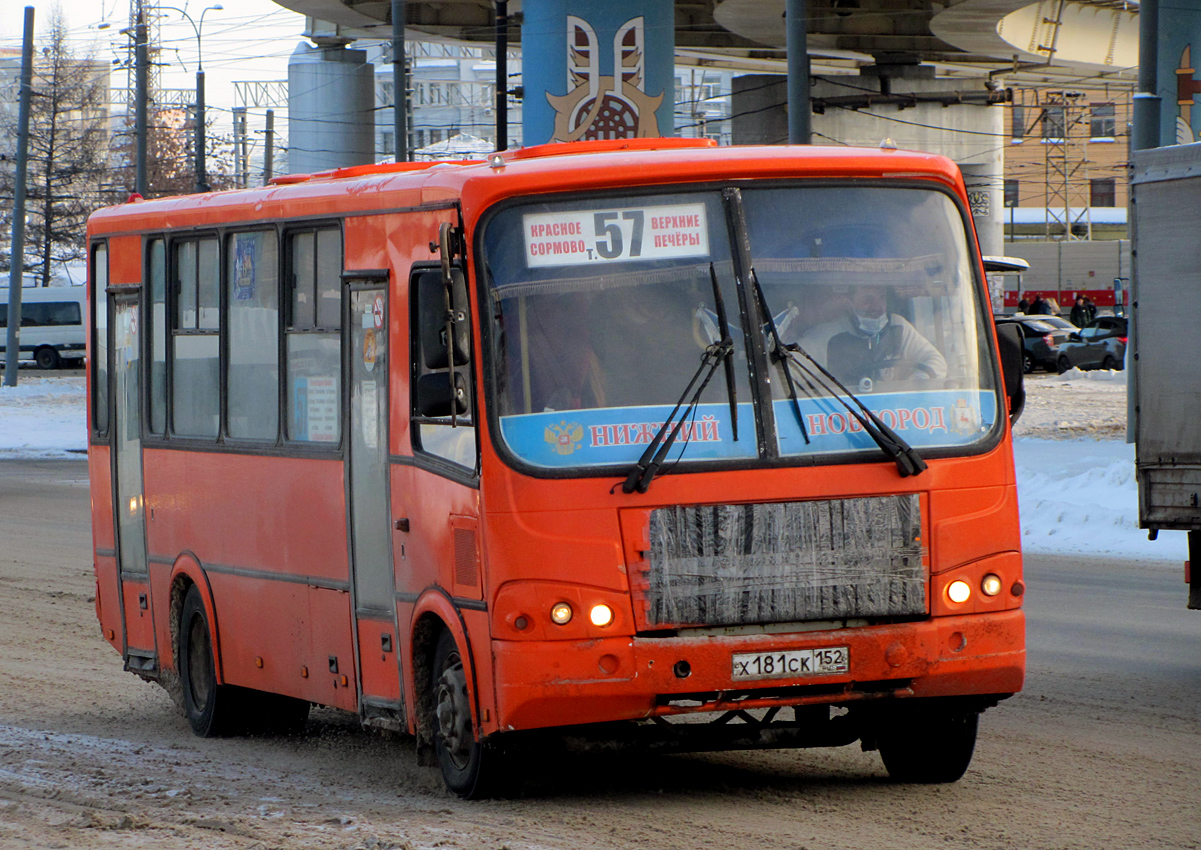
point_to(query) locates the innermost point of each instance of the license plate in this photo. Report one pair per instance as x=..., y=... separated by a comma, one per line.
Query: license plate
x=793, y=663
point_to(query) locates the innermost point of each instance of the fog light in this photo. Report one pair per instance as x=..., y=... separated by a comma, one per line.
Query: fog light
x=959, y=591
x=990, y=585
x=602, y=615
x=560, y=614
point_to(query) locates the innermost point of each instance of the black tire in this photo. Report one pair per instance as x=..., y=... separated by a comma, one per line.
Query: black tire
x=1063, y=364
x=47, y=358
x=211, y=709
x=1028, y=364
x=935, y=749
x=469, y=766
x=1109, y=362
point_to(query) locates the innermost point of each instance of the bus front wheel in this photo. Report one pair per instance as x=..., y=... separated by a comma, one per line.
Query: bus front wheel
x=934, y=748
x=469, y=766
x=46, y=357
x=209, y=707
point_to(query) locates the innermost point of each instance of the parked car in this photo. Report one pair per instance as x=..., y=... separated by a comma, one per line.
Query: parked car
x=1041, y=338
x=1101, y=344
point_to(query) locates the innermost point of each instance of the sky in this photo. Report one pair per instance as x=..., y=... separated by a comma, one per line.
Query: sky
x=1076, y=497
x=246, y=40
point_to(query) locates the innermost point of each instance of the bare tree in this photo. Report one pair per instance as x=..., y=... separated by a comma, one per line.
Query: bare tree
x=67, y=150
x=170, y=160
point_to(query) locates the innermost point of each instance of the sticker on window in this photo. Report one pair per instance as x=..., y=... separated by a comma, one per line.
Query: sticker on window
x=618, y=235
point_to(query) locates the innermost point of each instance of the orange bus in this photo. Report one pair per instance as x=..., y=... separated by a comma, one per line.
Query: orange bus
x=645, y=442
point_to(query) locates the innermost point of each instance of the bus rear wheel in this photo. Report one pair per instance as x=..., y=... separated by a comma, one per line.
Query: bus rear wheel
x=210, y=708
x=469, y=766
x=935, y=748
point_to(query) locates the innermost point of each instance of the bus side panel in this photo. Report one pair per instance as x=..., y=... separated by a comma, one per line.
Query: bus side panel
x=333, y=646
x=104, y=545
x=139, y=625
x=438, y=509
x=270, y=626
x=242, y=512
x=108, y=603
x=377, y=656
x=125, y=260
x=267, y=531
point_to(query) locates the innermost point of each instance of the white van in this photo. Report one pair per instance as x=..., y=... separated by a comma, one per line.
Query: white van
x=52, y=328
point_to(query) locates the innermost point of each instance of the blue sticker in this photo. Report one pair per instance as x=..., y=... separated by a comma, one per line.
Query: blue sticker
x=618, y=436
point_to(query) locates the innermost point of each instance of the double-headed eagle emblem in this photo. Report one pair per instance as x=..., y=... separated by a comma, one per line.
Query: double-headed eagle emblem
x=565, y=437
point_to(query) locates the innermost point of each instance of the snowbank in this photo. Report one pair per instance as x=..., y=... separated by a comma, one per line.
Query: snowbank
x=43, y=417
x=1080, y=496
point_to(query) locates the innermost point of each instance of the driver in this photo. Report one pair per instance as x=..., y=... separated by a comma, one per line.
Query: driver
x=869, y=344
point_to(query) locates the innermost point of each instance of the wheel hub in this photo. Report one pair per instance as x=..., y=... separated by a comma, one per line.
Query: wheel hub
x=454, y=712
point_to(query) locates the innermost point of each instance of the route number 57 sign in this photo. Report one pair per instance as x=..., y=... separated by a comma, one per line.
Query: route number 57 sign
x=597, y=237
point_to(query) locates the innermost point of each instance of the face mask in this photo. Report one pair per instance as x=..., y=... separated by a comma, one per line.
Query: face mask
x=872, y=326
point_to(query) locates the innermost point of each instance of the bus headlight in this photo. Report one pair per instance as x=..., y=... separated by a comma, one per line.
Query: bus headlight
x=601, y=615
x=560, y=613
x=990, y=585
x=959, y=591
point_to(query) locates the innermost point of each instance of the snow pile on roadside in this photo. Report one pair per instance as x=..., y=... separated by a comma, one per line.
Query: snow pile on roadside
x=1080, y=497
x=43, y=417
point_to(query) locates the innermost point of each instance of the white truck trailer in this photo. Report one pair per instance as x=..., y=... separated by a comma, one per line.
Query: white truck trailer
x=1165, y=381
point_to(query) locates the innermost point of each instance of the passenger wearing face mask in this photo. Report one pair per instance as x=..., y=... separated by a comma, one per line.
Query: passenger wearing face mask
x=870, y=345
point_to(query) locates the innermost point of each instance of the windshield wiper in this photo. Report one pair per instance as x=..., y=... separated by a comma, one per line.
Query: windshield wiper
x=648, y=465
x=724, y=327
x=908, y=461
x=780, y=353
x=644, y=471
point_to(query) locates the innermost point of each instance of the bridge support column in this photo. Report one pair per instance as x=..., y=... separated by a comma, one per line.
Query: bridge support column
x=598, y=69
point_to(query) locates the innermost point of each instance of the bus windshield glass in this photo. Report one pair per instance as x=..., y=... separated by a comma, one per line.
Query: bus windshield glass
x=602, y=309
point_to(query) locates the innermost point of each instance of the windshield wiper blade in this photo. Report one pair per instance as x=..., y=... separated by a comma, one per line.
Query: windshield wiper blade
x=644, y=471
x=780, y=353
x=724, y=327
x=908, y=461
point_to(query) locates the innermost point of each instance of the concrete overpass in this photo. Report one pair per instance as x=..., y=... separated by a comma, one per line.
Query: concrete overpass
x=1052, y=41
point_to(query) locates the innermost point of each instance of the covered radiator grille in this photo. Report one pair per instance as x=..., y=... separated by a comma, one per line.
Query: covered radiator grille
x=784, y=562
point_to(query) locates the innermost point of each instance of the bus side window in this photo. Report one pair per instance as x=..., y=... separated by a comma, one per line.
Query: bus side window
x=314, y=340
x=196, y=393
x=443, y=411
x=156, y=325
x=252, y=380
x=100, y=338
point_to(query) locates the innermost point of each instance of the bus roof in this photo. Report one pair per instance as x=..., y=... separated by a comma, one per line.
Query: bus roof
x=545, y=169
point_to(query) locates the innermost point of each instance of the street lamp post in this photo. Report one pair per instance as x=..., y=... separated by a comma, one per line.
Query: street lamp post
x=202, y=184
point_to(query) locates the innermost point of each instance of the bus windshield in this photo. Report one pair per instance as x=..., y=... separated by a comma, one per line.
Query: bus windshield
x=602, y=309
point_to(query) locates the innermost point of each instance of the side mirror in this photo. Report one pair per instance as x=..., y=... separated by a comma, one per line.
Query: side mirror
x=1075, y=337
x=435, y=399
x=431, y=300
x=1009, y=341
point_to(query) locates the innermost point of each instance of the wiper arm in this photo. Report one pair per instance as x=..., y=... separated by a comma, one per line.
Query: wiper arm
x=780, y=354
x=724, y=327
x=908, y=461
x=644, y=471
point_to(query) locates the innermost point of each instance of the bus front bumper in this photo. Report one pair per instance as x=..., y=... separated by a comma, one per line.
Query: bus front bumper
x=542, y=684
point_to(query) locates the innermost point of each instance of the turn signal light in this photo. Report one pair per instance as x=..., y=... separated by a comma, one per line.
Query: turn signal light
x=560, y=613
x=990, y=585
x=959, y=591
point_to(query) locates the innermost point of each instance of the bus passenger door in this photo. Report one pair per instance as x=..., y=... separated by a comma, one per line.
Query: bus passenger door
x=367, y=491
x=139, y=651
